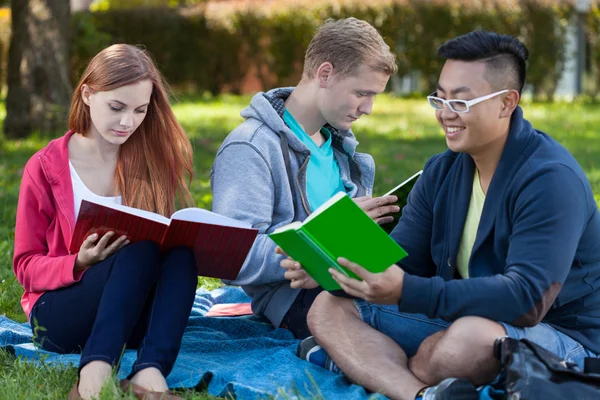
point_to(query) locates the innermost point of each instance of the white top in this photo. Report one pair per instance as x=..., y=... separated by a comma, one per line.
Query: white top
x=81, y=192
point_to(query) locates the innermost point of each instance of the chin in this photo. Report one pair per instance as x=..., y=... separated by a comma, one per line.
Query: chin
x=116, y=140
x=455, y=146
x=343, y=126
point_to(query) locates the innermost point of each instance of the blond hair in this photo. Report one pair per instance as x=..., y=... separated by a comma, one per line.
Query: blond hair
x=347, y=44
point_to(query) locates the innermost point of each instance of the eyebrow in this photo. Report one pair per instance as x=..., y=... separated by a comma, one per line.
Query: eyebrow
x=123, y=104
x=461, y=89
x=367, y=92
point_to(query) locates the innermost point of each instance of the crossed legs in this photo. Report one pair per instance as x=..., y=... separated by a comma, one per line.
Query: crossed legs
x=408, y=352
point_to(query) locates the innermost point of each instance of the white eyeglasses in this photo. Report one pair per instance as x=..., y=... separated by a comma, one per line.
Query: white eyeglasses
x=459, y=106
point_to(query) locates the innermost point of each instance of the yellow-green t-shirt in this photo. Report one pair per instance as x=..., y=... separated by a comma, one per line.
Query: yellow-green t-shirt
x=471, y=226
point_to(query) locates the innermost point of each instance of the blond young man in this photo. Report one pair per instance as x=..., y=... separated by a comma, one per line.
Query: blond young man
x=294, y=151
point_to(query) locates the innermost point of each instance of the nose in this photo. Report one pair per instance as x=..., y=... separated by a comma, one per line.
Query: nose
x=366, y=106
x=127, y=120
x=446, y=112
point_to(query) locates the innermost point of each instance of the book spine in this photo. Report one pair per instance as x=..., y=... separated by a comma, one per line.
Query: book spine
x=316, y=246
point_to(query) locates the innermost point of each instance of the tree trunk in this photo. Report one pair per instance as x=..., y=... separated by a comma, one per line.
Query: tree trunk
x=80, y=5
x=39, y=89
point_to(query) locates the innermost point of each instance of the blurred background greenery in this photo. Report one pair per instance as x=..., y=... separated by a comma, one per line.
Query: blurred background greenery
x=239, y=46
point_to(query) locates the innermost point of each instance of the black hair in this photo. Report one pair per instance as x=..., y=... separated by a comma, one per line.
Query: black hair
x=505, y=56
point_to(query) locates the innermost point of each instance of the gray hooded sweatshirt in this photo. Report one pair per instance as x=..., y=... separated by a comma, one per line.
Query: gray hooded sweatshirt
x=259, y=176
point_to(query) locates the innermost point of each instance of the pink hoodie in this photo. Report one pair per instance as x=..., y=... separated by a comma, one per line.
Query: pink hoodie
x=45, y=223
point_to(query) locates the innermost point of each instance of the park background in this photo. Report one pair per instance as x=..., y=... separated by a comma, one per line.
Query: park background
x=216, y=54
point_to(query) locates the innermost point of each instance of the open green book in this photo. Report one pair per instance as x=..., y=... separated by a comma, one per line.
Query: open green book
x=339, y=228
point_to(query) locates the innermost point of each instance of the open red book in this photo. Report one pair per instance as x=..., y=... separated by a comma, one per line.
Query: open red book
x=220, y=244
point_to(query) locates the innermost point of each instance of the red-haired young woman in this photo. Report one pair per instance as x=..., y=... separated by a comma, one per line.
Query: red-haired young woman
x=125, y=146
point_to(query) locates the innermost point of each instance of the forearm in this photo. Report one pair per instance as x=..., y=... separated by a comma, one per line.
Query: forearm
x=507, y=298
x=39, y=273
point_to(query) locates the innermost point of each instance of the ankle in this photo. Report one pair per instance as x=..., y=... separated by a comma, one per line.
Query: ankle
x=150, y=379
x=96, y=368
x=92, y=377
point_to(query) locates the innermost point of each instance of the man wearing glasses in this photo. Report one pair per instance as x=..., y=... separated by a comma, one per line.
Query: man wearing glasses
x=503, y=236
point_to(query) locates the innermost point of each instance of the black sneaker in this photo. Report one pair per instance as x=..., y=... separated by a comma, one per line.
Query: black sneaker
x=451, y=389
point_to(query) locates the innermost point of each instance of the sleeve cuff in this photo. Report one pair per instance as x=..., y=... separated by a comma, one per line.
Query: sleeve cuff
x=416, y=295
x=68, y=274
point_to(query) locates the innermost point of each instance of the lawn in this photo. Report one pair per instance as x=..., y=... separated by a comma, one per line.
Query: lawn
x=401, y=135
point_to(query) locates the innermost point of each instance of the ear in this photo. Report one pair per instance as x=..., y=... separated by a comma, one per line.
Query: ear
x=86, y=93
x=325, y=74
x=509, y=103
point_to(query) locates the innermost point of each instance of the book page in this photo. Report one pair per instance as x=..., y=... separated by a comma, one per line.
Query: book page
x=134, y=211
x=208, y=217
x=291, y=226
x=404, y=183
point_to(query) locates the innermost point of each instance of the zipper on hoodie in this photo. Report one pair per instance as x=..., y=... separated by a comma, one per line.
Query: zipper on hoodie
x=300, y=191
x=57, y=198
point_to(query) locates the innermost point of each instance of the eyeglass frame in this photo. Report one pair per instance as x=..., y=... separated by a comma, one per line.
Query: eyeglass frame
x=467, y=103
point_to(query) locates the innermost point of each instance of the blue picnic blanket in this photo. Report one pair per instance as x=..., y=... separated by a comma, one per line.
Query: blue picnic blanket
x=242, y=357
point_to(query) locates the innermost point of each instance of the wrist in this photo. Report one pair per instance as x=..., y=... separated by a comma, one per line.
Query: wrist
x=79, y=266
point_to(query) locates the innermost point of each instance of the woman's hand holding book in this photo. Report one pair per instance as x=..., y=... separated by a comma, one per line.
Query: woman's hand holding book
x=93, y=251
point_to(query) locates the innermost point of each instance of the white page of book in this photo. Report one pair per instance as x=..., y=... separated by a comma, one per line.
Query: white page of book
x=403, y=183
x=207, y=217
x=135, y=211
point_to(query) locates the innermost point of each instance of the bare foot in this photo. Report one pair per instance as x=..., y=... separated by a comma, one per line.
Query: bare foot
x=150, y=379
x=92, y=377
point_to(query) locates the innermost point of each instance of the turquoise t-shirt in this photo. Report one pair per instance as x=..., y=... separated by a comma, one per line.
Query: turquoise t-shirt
x=323, y=178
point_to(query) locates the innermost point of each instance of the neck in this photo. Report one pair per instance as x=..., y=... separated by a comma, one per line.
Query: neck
x=302, y=104
x=487, y=159
x=98, y=149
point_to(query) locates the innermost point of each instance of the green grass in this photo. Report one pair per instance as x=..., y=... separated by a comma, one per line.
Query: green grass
x=401, y=135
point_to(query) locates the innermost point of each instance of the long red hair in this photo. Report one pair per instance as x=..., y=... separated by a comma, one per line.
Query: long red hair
x=154, y=168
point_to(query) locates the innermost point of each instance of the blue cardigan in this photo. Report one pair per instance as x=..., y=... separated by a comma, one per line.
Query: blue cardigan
x=536, y=256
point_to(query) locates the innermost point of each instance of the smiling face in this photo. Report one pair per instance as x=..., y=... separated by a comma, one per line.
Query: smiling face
x=116, y=114
x=485, y=125
x=345, y=99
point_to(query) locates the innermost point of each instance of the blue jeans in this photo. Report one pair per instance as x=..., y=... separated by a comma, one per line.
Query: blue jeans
x=137, y=298
x=410, y=330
